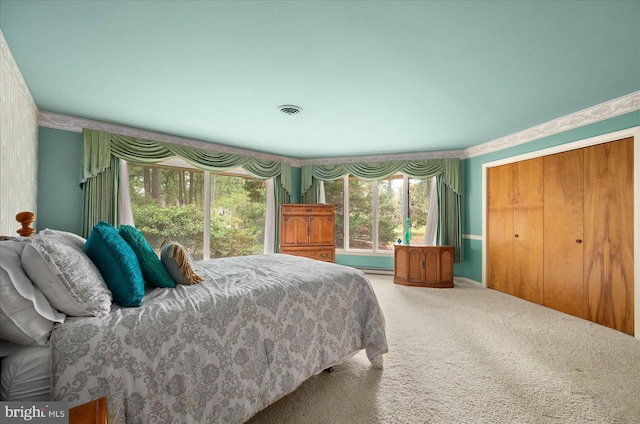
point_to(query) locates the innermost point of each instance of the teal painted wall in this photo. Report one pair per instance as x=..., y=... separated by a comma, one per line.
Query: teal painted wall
x=296, y=178
x=372, y=262
x=472, y=194
x=59, y=193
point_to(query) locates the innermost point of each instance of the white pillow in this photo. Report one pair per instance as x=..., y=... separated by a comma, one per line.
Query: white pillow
x=19, y=321
x=66, y=276
x=26, y=317
x=8, y=348
x=11, y=262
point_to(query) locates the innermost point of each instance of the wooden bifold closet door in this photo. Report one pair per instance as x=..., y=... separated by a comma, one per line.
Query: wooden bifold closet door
x=515, y=218
x=608, y=234
x=563, y=232
x=560, y=232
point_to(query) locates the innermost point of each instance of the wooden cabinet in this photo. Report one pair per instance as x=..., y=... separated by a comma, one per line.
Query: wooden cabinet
x=572, y=232
x=308, y=230
x=424, y=266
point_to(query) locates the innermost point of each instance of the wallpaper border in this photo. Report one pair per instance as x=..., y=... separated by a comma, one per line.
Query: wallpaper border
x=590, y=115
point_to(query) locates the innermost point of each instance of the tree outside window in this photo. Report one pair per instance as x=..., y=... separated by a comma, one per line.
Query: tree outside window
x=168, y=203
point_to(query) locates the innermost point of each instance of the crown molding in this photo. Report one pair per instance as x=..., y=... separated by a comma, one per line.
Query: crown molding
x=74, y=124
x=606, y=110
x=441, y=154
x=620, y=106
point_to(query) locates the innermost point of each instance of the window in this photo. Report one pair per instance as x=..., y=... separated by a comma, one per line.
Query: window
x=376, y=211
x=419, y=192
x=172, y=202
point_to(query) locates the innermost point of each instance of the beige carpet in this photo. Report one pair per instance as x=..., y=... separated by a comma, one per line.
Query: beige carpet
x=473, y=355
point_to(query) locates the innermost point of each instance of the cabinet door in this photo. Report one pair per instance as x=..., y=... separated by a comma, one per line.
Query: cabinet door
x=608, y=234
x=446, y=264
x=563, y=232
x=500, y=228
x=416, y=264
x=294, y=231
x=401, y=262
x=321, y=230
x=432, y=265
x=527, y=227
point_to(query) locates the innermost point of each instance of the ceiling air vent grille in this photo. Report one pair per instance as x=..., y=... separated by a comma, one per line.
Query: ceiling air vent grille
x=290, y=109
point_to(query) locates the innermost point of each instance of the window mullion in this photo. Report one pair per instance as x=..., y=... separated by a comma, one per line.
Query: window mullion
x=405, y=202
x=374, y=218
x=345, y=217
x=207, y=216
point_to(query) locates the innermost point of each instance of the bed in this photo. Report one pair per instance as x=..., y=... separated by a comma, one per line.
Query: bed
x=221, y=350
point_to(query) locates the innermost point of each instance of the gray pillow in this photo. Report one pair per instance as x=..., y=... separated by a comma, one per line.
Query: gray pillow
x=65, y=236
x=178, y=262
x=66, y=276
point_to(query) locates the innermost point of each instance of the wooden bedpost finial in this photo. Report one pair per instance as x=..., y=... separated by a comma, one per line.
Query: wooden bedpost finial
x=26, y=219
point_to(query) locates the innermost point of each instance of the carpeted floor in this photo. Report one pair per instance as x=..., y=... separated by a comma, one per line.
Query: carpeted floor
x=473, y=355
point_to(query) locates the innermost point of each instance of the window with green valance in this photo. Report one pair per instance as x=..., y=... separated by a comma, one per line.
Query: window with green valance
x=100, y=148
x=447, y=172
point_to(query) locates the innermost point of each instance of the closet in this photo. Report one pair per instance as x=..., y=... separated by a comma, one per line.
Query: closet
x=560, y=232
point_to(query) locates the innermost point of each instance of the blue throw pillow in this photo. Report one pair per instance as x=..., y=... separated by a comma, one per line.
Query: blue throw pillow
x=117, y=263
x=152, y=268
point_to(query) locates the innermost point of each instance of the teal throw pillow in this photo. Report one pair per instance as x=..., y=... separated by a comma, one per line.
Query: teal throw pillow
x=117, y=263
x=153, y=270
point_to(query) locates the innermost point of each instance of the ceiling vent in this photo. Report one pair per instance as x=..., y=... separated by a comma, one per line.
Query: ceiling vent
x=290, y=109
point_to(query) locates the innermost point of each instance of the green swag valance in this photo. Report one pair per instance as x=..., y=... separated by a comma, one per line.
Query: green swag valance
x=98, y=147
x=427, y=168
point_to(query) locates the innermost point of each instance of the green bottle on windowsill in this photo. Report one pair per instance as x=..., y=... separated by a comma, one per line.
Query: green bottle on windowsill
x=407, y=232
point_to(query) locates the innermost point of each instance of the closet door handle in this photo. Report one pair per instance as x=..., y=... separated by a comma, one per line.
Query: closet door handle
x=516, y=236
x=578, y=241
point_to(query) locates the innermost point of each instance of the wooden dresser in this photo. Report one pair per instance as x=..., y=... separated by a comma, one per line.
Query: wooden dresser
x=308, y=230
x=424, y=266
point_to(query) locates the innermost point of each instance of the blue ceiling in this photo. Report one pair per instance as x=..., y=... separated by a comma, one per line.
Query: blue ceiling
x=374, y=77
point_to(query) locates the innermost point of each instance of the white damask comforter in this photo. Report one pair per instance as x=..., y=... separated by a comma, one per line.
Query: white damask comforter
x=221, y=350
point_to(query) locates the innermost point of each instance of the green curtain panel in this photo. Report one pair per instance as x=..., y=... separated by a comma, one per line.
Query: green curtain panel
x=282, y=197
x=449, y=219
x=101, y=196
x=313, y=193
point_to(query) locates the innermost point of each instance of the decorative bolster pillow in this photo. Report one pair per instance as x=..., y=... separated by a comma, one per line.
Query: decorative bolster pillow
x=178, y=262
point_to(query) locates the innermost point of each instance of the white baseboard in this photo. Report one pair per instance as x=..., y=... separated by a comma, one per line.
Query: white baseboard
x=467, y=280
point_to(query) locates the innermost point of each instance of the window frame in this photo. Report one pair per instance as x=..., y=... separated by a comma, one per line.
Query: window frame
x=375, y=251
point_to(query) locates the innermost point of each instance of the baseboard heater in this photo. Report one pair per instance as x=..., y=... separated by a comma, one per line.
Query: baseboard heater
x=376, y=271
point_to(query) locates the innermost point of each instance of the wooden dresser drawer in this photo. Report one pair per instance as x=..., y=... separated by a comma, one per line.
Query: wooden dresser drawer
x=324, y=254
x=308, y=209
